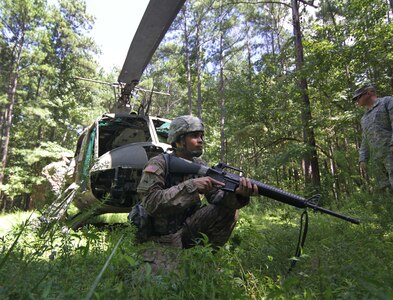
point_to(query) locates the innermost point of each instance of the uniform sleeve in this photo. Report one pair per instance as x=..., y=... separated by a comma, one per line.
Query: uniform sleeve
x=363, y=151
x=160, y=201
x=220, y=197
x=389, y=106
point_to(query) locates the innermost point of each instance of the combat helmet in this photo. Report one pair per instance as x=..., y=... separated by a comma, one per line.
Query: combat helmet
x=362, y=90
x=182, y=125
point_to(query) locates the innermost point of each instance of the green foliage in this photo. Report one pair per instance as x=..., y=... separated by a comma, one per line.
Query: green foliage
x=21, y=179
x=241, y=71
x=339, y=260
x=46, y=150
x=248, y=79
x=20, y=182
x=51, y=106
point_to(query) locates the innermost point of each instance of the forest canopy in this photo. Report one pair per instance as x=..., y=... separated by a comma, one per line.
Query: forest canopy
x=272, y=81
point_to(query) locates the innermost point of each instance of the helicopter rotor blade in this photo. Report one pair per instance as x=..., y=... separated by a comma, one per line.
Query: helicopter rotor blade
x=115, y=85
x=155, y=22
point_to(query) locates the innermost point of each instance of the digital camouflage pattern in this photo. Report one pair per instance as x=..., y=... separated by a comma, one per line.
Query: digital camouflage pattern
x=177, y=211
x=377, y=139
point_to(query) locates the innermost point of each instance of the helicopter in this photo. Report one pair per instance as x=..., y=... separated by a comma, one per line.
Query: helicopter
x=111, y=153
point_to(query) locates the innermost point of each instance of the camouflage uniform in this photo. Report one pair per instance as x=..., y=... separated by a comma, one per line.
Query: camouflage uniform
x=377, y=138
x=174, y=205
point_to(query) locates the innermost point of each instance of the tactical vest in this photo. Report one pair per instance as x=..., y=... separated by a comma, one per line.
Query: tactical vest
x=175, y=223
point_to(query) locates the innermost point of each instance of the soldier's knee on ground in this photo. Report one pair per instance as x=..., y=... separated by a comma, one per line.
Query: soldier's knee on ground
x=160, y=258
x=214, y=221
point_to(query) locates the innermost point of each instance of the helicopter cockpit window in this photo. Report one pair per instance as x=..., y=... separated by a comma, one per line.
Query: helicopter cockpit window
x=117, y=132
x=162, y=130
x=129, y=135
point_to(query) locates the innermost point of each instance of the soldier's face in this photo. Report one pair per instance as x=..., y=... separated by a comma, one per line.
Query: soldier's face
x=367, y=98
x=362, y=100
x=194, y=143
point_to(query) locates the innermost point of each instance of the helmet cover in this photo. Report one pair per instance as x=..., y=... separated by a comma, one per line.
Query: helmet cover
x=183, y=125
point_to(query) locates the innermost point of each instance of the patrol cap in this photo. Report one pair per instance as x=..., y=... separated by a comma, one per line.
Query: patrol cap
x=182, y=125
x=361, y=91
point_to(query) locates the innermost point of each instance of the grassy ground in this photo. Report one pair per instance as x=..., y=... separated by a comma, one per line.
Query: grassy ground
x=339, y=261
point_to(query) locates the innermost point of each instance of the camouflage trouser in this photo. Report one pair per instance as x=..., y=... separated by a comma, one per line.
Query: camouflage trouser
x=215, y=221
x=383, y=172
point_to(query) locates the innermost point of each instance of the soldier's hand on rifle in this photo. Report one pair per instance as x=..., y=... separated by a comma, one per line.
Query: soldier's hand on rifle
x=206, y=184
x=246, y=188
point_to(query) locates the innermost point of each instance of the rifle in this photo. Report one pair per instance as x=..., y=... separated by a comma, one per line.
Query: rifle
x=178, y=165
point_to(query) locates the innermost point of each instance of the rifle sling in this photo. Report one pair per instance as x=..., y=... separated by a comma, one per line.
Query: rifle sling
x=301, y=239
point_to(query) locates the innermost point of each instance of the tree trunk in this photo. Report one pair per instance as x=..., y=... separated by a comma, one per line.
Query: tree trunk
x=7, y=121
x=310, y=161
x=249, y=53
x=222, y=101
x=199, y=69
x=188, y=63
x=333, y=171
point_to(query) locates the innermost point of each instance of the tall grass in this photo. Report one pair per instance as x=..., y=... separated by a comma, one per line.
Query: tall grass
x=339, y=261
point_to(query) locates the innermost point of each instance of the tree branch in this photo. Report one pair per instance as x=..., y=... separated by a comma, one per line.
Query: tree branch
x=260, y=2
x=311, y=3
x=284, y=139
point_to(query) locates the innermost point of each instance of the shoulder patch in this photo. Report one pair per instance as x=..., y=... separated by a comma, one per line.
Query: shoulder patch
x=151, y=169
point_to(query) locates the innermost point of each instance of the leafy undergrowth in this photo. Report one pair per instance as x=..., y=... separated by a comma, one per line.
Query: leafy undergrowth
x=339, y=261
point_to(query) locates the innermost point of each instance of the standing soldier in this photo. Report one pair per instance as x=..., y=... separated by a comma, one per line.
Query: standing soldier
x=377, y=140
x=173, y=204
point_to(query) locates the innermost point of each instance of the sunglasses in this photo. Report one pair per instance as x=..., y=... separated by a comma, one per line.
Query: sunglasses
x=358, y=97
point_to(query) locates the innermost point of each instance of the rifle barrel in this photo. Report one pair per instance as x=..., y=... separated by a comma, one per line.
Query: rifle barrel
x=297, y=201
x=182, y=166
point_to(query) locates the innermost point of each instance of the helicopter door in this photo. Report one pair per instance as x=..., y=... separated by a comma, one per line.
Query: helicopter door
x=121, y=156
